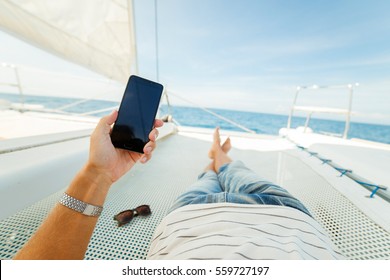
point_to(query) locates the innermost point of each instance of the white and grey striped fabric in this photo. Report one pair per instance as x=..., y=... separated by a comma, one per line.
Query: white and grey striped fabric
x=240, y=231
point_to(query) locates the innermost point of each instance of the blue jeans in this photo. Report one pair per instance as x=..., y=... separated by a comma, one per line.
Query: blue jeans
x=235, y=183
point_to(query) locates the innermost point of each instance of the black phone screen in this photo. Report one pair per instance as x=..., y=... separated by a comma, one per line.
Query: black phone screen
x=136, y=114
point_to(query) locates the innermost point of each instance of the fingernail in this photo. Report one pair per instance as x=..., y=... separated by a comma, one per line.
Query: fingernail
x=143, y=160
x=148, y=150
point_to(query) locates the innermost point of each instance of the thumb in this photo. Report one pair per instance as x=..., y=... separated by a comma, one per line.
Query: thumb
x=105, y=123
x=111, y=118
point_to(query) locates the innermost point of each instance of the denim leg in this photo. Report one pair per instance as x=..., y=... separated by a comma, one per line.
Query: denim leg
x=235, y=177
x=206, y=189
x=245, y=186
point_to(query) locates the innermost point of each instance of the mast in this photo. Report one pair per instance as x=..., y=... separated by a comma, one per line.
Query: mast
x=132, y=33
x=156, y=40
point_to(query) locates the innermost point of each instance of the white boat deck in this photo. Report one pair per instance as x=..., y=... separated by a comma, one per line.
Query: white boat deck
x=358, y=225
x=17, y=125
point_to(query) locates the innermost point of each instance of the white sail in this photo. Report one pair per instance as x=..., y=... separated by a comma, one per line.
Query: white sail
x=98, y=34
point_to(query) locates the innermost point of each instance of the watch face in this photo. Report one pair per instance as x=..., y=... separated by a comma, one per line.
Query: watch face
x=91, y=210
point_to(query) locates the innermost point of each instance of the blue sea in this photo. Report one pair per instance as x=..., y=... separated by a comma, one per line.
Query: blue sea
x=189, y=116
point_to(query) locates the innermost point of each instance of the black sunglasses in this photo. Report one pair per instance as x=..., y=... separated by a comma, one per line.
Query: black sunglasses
x=126, y=216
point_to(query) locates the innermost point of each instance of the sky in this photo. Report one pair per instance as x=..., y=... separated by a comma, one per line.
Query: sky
x=252, y=54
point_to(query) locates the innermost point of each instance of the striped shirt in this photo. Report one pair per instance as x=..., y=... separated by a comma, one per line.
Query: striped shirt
x=240, y=231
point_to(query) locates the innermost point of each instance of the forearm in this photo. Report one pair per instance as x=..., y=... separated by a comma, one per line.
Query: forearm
x=65, y=233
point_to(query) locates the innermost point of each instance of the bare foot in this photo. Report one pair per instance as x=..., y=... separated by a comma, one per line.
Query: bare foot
x=216, y=145
x=226, y=146
x=218, y=153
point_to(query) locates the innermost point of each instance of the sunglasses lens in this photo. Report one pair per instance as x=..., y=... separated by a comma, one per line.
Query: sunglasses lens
x=124, y=217
x=143, y=210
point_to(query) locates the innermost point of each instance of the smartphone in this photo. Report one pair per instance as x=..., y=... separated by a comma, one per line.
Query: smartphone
x=136, y=114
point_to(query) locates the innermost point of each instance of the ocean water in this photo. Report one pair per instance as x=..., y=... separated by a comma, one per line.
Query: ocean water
x=270, y=123
x=259, y=122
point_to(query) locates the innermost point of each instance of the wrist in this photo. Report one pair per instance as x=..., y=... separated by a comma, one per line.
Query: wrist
x=97, y=176
x=90, y=185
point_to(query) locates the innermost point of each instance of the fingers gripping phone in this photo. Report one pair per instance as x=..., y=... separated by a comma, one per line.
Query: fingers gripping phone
x=136, y=115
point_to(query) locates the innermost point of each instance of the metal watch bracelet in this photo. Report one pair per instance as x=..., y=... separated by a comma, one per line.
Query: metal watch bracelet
x=80, y=206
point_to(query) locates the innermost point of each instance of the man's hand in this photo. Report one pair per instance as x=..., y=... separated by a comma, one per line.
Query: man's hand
x=110, y=161
x=65, y=234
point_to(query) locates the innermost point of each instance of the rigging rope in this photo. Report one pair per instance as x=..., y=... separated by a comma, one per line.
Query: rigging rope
x=374, y=188
x=213, y=113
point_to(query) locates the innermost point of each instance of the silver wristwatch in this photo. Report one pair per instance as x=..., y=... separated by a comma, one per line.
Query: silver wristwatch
x=80, y=206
